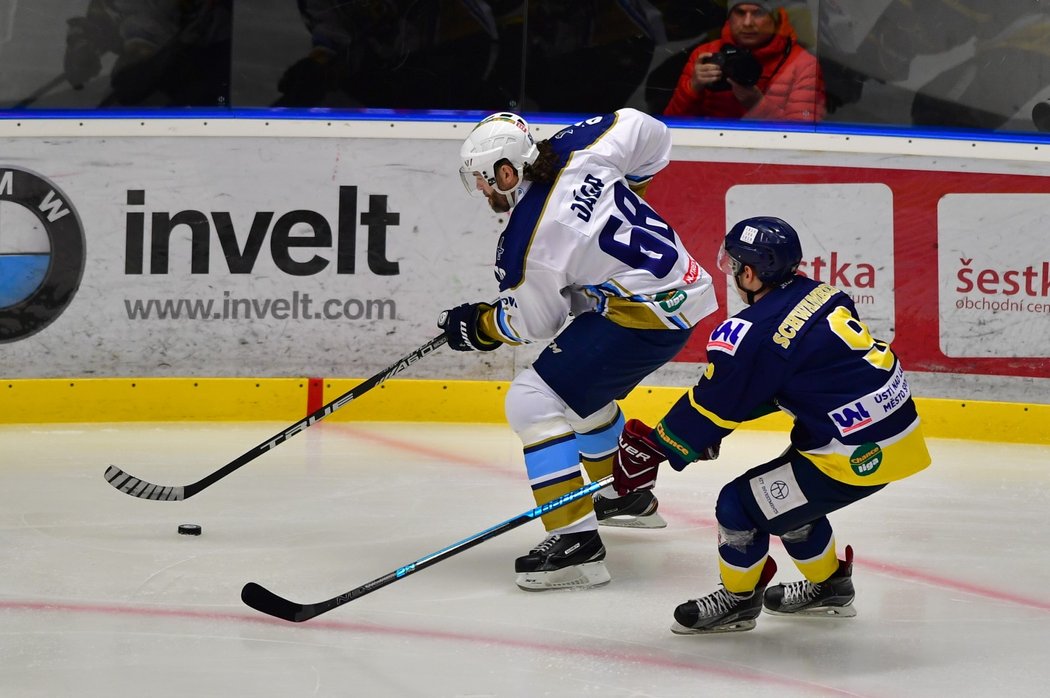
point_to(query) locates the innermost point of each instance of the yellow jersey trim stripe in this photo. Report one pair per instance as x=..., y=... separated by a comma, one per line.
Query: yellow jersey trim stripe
x=714, y=418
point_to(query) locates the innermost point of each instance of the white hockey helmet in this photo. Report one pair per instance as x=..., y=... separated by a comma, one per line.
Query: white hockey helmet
x=500, y=136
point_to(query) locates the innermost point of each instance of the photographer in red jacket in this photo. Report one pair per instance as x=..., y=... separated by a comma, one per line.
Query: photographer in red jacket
x=756, y=70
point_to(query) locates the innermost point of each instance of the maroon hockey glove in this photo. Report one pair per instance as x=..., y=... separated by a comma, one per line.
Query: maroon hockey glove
x=637, y=459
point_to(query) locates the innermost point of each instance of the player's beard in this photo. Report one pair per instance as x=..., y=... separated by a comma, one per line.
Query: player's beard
x=498, y=202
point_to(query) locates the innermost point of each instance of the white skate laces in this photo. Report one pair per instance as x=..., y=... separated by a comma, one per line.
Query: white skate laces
x=547, y=544
x=719, y=603
x=800, y=593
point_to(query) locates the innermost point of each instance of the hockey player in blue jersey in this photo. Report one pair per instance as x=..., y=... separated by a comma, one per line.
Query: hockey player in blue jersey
x=581, y=243
x=800, y=347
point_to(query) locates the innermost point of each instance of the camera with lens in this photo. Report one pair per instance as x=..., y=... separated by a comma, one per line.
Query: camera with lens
x=737, y=64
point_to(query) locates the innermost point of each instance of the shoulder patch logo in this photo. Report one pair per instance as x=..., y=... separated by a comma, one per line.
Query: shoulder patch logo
x=728, y=335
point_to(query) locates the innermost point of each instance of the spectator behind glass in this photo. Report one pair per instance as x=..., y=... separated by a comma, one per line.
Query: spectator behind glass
x=789, y=88
x=401, y=54
x=170, y=53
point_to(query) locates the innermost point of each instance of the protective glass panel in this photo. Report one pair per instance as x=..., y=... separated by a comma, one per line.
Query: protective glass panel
x=944, y=64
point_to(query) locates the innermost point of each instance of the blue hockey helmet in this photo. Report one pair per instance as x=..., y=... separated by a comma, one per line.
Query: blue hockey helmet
x=768, y=245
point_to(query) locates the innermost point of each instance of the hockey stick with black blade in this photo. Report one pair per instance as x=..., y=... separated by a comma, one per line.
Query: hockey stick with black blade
x=136, y=487
x=264, y=600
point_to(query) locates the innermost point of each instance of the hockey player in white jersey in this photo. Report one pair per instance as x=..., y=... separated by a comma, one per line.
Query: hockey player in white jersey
x=580, y=243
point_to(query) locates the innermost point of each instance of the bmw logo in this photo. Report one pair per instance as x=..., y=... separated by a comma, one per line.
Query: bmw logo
x=41, y=253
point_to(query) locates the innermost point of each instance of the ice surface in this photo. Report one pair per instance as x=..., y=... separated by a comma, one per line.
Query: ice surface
x=100, y=596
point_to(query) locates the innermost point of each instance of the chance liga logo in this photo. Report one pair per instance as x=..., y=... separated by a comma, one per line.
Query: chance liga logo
x=41, y=253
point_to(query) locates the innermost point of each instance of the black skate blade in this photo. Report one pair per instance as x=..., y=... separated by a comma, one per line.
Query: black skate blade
x=739, y=626
x=653, y=520
x=819, y=612
x=588, y=575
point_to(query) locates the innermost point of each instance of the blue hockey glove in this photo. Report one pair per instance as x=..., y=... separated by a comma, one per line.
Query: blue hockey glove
x=461, y=328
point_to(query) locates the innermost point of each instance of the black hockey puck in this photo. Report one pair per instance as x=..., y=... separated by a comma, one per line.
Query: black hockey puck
x=189, y=529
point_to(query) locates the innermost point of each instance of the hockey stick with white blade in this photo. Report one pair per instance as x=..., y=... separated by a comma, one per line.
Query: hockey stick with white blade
x=136, y=487
x=264, y=600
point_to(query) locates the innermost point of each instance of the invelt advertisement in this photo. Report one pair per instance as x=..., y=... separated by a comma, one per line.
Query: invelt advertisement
x=212, y=256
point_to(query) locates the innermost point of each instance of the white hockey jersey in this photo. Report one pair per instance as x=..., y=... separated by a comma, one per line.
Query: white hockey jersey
x=587, y=242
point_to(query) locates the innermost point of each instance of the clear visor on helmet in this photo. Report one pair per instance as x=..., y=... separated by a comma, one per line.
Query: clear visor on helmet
x=727, y=264
x=472, y=180
x=477, y=185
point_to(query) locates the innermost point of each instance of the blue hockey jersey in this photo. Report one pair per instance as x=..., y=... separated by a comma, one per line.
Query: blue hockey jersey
x=801, y=348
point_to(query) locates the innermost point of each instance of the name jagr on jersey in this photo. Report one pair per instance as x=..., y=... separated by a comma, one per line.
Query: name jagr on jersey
x=586, y=196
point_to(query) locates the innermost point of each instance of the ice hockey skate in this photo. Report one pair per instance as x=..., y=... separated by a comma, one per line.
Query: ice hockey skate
x=723, y=611
x=634, y=510
x=564, y=561
x=832, y=598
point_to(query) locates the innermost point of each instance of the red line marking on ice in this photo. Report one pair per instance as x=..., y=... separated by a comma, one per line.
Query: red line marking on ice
x=617, y=656
x=947, y=583
x=404, y=445
x=699, y=521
